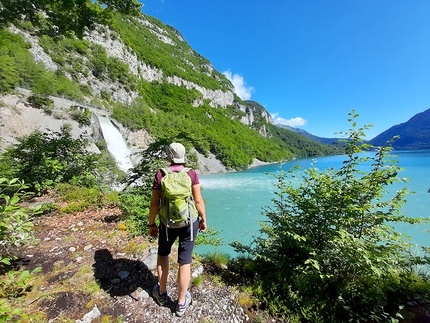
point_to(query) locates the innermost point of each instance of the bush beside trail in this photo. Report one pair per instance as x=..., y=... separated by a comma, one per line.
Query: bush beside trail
x=328, y=251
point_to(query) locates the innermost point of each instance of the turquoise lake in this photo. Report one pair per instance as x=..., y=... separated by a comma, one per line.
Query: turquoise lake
x=234, y=201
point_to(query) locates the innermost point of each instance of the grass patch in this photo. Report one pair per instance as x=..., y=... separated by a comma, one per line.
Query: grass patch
x=135, y=248
x=81, y=198
x=216, y=261
x=198, y=281
x=91, y=287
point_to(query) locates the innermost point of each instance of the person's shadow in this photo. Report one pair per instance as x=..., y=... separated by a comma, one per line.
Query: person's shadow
x=122, y=276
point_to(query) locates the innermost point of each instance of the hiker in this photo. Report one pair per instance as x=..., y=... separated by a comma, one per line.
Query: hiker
x=167, y=235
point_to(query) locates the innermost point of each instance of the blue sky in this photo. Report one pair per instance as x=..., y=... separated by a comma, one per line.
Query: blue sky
x=311, y=62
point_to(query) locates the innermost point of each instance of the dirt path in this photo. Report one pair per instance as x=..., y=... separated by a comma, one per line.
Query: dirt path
x=93, y=271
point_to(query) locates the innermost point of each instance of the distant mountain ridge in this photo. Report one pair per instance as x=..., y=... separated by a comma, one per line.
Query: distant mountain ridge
x=413, y=134
x=304, y=133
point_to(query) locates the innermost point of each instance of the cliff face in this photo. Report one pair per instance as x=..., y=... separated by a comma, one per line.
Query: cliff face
x=18, y=119
x=185, y=62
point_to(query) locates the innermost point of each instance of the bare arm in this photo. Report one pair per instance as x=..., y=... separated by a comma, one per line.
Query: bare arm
x=200, y=205
x=153, y=211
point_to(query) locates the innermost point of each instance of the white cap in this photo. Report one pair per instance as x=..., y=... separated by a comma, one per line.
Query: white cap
x=176, y=152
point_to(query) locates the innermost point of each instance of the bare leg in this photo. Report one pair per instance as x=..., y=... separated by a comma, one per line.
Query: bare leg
x=163, y=272
x=184, y=276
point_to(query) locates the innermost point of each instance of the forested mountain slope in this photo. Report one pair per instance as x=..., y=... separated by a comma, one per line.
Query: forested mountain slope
x=413, y=134
x=146, y=76
x=310, y=136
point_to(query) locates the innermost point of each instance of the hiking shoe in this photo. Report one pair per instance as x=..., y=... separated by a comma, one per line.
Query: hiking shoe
x=180, y=308
x=161, y=299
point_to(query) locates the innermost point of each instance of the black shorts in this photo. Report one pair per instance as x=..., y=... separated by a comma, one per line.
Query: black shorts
x=186, y=245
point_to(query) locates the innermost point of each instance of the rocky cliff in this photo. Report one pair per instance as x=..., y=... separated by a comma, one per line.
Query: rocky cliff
x=111, y=41
x=143, y=74
x=19, y=119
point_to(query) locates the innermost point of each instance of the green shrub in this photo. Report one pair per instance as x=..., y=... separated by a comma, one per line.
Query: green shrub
x=9, y=74
x=44, y=159
x=74, y=207
x=328, y=251
x=15, y=284
x=210, y=237
x=134, y=204
x=79, y=198
x=42, y=209
x=17, y=66
x=15, y=224
x=81, y=115
x=8, y=166
x=9, y=314
x=42, y=102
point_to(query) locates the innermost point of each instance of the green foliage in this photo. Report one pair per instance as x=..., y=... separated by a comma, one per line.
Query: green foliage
x=78, y=58
x=9, y=314
x=210, y=237
x=81, y=198
x=329, y=250
x=16, y=284
x=41, y=209
x=41, y=102
x=242, y=272
x=17, y=66
x=134, y=204
x=8, y=72
x=301, y=146
x=44, y=159
x=179, y=60
x=81, y=115
x=64, y=16
x=197, y=281
x=98, y=61
x=54, y=83
x=129, y=7
x=232, y=142
x=7, y=166
x=216, y=259
x=108, y=173
x=15, y=225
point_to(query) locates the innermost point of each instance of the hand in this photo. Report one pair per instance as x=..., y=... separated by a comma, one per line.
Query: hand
x=153, y=231
x=202, y=226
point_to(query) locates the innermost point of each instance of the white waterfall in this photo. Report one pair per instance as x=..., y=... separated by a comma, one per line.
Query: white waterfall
x=116, y=144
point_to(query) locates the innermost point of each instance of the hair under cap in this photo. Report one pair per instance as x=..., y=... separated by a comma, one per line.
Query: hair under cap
x=176, y=152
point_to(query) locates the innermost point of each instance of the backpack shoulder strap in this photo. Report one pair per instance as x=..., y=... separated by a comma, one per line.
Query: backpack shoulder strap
x=185, y=169
x=166, y=171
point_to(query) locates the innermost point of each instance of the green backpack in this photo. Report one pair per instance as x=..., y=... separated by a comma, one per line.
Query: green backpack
x=177, y=206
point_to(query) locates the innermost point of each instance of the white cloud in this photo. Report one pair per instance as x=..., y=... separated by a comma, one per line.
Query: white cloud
x=240, y=89
x=293, y=122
